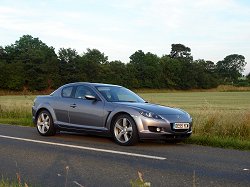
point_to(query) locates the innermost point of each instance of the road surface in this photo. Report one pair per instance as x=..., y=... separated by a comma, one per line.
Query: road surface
x=83, y=160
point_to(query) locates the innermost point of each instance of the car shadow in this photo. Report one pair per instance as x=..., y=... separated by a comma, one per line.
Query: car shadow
x=90, y=138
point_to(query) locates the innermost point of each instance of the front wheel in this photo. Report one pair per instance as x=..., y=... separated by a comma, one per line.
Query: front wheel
x=44, y=124
x=125, y=130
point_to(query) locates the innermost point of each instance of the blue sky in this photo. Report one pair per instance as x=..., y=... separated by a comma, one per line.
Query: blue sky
x=212, y=29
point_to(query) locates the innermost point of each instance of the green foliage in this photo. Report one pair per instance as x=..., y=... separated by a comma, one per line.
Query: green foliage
x=232, y=143
x=69, y=68
x=11, y=183
x=231, y=67
x=180, y=51
x=92, y=62
x=146, y=68
x=205, y=74
x=5, y=182
x=29, y=64
x=139, y=182
x=14, y=76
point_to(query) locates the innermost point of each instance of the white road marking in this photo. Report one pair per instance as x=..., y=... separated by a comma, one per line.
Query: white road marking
x=85, y=148
x=78, y=184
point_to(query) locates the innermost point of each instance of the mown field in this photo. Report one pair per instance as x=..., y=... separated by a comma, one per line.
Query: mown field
x=221, y=119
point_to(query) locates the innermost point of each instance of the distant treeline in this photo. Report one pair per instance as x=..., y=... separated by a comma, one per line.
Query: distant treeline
x=31, y=64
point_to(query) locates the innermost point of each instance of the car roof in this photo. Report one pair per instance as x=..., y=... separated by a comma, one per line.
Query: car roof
x=89, y=83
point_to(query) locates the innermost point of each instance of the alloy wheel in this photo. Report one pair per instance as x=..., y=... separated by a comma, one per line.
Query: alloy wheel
x=43, y=123
x=123, y=130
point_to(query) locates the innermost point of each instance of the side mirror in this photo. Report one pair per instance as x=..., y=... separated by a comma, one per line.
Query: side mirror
x=90, y=97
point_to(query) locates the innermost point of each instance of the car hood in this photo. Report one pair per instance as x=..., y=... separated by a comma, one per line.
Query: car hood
x=157, y=109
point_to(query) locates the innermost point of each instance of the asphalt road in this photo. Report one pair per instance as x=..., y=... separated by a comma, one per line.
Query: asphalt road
x=98, y=161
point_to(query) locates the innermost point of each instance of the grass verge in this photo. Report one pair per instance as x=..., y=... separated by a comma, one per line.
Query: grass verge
x=226, y=142
x=16, y=110
x=11, y=183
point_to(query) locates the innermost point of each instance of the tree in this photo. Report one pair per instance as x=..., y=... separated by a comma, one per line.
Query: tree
x=95, y=56
x=67, y=56
x=35, y=57
x=178, y=73
x=69, y=69
x=31, y=64
x=248, y=78
x=14, y=79
x=2, y=54
x=91, y=64
x=169, y=67
x=231, y=68
x=3, y=74
x=113, y=72
x=205, y=74
x=181, y=51
x=29, y=50
x=146, y=69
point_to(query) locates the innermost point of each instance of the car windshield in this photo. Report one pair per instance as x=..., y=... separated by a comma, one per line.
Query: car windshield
x=119, y=94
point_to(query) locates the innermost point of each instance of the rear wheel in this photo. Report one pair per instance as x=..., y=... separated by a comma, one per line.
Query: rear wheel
x=125, y=130
x=44, y=124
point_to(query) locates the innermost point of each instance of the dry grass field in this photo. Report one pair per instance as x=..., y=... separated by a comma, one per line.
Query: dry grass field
x=220, y=118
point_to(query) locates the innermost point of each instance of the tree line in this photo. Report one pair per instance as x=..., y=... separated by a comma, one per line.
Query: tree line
x=32, y=65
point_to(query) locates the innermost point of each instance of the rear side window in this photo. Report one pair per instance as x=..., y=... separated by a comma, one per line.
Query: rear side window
x=66, y=92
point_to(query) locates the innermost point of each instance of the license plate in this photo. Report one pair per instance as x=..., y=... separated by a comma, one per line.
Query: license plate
x=181, y=126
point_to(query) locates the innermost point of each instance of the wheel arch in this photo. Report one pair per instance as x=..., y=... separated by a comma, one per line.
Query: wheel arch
x=134, y=134
x=48, y=108
x=112, y=118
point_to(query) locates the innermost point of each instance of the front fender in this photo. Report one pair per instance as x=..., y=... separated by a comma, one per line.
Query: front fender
x=130, y=111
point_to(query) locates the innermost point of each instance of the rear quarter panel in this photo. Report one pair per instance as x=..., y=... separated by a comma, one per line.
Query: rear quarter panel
x=46, y=103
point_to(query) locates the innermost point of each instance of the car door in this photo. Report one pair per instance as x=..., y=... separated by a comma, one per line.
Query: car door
x=86, y=112
x=62, y=103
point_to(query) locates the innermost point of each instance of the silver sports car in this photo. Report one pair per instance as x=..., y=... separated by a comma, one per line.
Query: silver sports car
x=110, y=110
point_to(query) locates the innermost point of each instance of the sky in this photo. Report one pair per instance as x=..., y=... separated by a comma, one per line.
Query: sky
x=212, y=29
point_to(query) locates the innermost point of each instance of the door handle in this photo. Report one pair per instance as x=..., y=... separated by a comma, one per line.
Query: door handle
x=73, y=105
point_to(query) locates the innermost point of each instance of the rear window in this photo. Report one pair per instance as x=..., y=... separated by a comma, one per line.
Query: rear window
x=66, y=92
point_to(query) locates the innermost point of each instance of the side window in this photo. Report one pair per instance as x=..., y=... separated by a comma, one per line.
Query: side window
x=125, y=97
x=106, y=94
x=66, y=92
x=81, y=91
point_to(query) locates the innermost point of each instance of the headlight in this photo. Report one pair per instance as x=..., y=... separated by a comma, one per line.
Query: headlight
x=189, y=116
x=150, y=115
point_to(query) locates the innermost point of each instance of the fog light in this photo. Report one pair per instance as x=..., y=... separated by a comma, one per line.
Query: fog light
x=158, y=129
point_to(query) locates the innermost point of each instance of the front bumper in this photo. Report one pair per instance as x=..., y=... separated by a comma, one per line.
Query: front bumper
x=146, y=134
x=147, y=128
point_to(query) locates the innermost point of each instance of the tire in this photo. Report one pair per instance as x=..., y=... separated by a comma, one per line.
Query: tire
x=124, y=130
x=44, y=124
